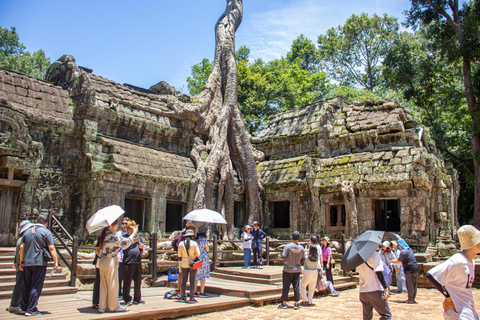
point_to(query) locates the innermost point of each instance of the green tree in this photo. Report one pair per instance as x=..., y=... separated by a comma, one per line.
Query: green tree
x=304, y=52
x=14, y=57
x=415, y=68
x=455, y=30
x=267, y=87
x=353, y=53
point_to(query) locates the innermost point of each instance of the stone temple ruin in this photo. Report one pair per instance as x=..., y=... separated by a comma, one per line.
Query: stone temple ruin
x=78, y=142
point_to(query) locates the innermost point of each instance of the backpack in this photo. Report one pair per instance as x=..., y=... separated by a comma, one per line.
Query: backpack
x=387, y=273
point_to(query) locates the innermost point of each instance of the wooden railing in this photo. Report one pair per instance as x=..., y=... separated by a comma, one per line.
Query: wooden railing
x=71, y=258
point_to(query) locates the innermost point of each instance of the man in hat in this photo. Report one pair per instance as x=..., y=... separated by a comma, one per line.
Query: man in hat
x=258, y=234
x=410, y=266
x=34, y=265
x=189, y=225
x=294, y=256
x=19, y=279
x=454, y=278
x=373, y=288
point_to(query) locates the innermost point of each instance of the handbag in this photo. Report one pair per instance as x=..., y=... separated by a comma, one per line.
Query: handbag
x=46, y=254
x=172, y=277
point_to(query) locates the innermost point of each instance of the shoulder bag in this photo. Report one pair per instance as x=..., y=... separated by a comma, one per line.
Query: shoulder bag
x=46, y=254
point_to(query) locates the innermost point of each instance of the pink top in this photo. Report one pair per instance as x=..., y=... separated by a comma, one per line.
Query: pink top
x=327, y=251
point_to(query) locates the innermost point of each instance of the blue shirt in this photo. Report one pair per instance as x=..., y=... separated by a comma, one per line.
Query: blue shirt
x=258, y=235
x=407, y=257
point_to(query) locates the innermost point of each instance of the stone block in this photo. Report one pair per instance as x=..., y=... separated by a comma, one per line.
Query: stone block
x=423, y=257
x=395, y=161
x=407, y=160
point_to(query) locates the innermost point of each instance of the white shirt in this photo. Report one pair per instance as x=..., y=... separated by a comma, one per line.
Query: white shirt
x=457, y=275
x=368, y=278
x=247, y=240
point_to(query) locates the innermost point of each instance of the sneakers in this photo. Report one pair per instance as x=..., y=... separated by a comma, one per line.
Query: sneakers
x=36, y=313
x=335, y=293
x=139, y=302
x=129, y=303
x=260, y=267
x=296, y=306
x=121, y=309
x=203, y=295
x=192, y=300
x=184, y=299
x=101, y=310
x=283, y=305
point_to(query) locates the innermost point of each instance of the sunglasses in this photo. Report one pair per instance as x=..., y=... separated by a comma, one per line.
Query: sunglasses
x=124, y=223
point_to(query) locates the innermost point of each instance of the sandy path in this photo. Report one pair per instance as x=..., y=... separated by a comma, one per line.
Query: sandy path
x=346, y=306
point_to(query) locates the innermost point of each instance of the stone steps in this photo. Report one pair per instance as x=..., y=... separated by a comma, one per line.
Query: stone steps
x=57, y=284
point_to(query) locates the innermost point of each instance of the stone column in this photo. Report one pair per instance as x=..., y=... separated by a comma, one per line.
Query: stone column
x=351, y=223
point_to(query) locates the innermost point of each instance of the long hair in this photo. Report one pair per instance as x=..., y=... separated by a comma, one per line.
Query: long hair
x=101, y=240
x=187, y=243
x=312, y=253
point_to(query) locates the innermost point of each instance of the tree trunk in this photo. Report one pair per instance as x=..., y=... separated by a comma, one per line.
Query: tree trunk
x=351, y=223
x=226, y=144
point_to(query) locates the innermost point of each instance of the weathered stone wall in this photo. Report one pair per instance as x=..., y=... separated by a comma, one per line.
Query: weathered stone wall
x=378, y=146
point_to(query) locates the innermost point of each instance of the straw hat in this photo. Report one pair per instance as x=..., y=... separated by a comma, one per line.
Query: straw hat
x=326, y=239
x=189, y=233
x=469, y=236
x=189, y=224
x=247, y=227
x=131, y=224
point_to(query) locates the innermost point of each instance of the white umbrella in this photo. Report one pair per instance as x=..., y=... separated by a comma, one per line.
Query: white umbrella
x=205, y=215
x=103, y=218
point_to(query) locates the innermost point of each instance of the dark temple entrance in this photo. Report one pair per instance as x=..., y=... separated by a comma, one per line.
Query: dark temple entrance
x=175, y=213
x=281, y=214
x=387, y=215
x=135, y=209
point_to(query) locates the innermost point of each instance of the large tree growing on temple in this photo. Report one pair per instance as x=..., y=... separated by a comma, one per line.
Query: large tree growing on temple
x=224, y=151
x=456, y=29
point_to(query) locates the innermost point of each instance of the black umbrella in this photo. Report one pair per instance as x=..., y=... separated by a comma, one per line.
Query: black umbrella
x=361, y=249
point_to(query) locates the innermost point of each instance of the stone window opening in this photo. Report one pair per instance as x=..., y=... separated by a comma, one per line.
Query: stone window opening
x=239, y=214
x=387, y=214
x=135, y=209
x=336, y=217
x=174, y=215
x=281, y=214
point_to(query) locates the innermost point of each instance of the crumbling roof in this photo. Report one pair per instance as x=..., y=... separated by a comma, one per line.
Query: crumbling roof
x=34, y=97
x=136, y=159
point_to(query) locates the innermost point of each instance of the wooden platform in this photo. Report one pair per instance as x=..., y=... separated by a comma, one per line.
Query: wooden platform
x=223, y=294
x=78, y=306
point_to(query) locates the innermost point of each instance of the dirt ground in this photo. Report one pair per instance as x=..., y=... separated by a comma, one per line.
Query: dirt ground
x=346, y=306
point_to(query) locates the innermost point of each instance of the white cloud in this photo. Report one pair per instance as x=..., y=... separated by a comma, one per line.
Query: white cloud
x=269, y=34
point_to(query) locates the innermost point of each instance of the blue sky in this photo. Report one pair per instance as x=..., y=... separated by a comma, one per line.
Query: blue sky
x=143, y=42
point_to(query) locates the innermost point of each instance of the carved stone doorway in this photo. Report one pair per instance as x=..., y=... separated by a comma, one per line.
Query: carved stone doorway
x=174, y=214
x=135, y=209
x=9, y=214
x=387, y=214
x=240, y=214
x=281, y=214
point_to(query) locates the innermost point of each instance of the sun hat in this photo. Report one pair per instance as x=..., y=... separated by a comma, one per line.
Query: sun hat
x=189, y=224
x=295, y=235
x=386, y=244
x=469, y=236
x=189, y=233
x=326, y=239
x=247, y=227
x=131, y=223
x=256, y=223
x=402, y=244
x=24, y=225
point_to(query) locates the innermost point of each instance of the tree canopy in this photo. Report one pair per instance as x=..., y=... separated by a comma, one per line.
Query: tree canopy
x=13, y=55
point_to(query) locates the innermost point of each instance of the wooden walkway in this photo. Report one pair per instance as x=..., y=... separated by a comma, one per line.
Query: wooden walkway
x=228, y=288
x=78, y=306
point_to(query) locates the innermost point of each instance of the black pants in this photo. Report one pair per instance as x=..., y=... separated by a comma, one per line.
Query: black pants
x=328, y=271
x=132, y=272
x=33, y=285
x=193, y=280
x=291, y=279
x=120, y=278
x=96, y=287
x=257, y=254
x=18, y=289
